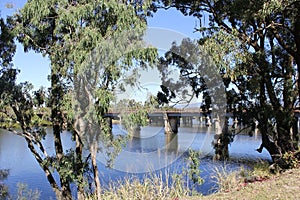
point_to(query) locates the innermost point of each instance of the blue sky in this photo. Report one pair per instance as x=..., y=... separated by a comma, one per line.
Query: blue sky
x=35, y=68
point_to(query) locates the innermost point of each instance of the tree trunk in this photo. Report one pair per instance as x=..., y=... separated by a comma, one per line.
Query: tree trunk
x=48, y=173
x=263, y=124
x=65, y=185
x=79, y=167
x=285, y=116
x=295, y=132
x=297, y=54
x=93, y=150
x=282, y=137
x=221, y=140
x=39, y=159
x=266, y=142
x=285, y=137
x=57, y=121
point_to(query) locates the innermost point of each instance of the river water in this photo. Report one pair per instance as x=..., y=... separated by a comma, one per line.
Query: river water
x=149, y=151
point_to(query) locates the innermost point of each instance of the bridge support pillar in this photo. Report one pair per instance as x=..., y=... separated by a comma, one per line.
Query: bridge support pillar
x=190, y=121
x=171, y=124
x=187, y=121
x=183, y=119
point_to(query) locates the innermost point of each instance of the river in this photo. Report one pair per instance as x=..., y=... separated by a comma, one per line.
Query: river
x=150, y=150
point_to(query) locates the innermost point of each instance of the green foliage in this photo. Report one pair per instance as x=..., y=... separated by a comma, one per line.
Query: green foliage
x=229, y=54
x=67, y=167
x=90, y=44
x=7, y=72
x=151, y=103
x=134, y=120
x=7, y=44
x=67, y=107
x=39, y=97
x=133, y=114
x=194, y=167
x=254, y=45
x=288, y=161
x=104, y=98
x=16, y=101
x=187, y=59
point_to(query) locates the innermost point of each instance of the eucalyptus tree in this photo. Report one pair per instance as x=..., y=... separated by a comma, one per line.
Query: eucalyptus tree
x=199, y=79
x=89, y=45
x=7, y=44
x=7, y=51
x=255, y=44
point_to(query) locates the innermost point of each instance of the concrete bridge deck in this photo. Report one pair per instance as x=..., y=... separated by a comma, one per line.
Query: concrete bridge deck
x=176, y=113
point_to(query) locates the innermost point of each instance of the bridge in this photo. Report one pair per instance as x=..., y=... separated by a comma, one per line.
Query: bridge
x=172, y=119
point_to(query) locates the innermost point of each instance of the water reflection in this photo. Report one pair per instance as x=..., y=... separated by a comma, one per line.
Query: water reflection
x=171, y=143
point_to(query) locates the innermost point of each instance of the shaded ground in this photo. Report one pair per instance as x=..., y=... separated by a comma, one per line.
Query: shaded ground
x=283, y=186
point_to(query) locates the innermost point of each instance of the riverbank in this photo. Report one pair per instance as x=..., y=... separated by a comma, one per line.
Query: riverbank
x=281, y=186
x=263, y=186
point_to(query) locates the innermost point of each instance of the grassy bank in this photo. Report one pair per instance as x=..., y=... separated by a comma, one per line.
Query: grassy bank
x=281, y=186
x=241, y=184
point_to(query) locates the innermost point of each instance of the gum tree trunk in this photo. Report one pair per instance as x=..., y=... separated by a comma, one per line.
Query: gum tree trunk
x=93, y=150
x=57, y=121
x=221, y=140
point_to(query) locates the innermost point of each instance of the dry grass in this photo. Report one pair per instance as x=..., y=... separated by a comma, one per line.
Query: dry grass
x=227, y=180
x=281, y=186
x=240, y=184
x=150, y=188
